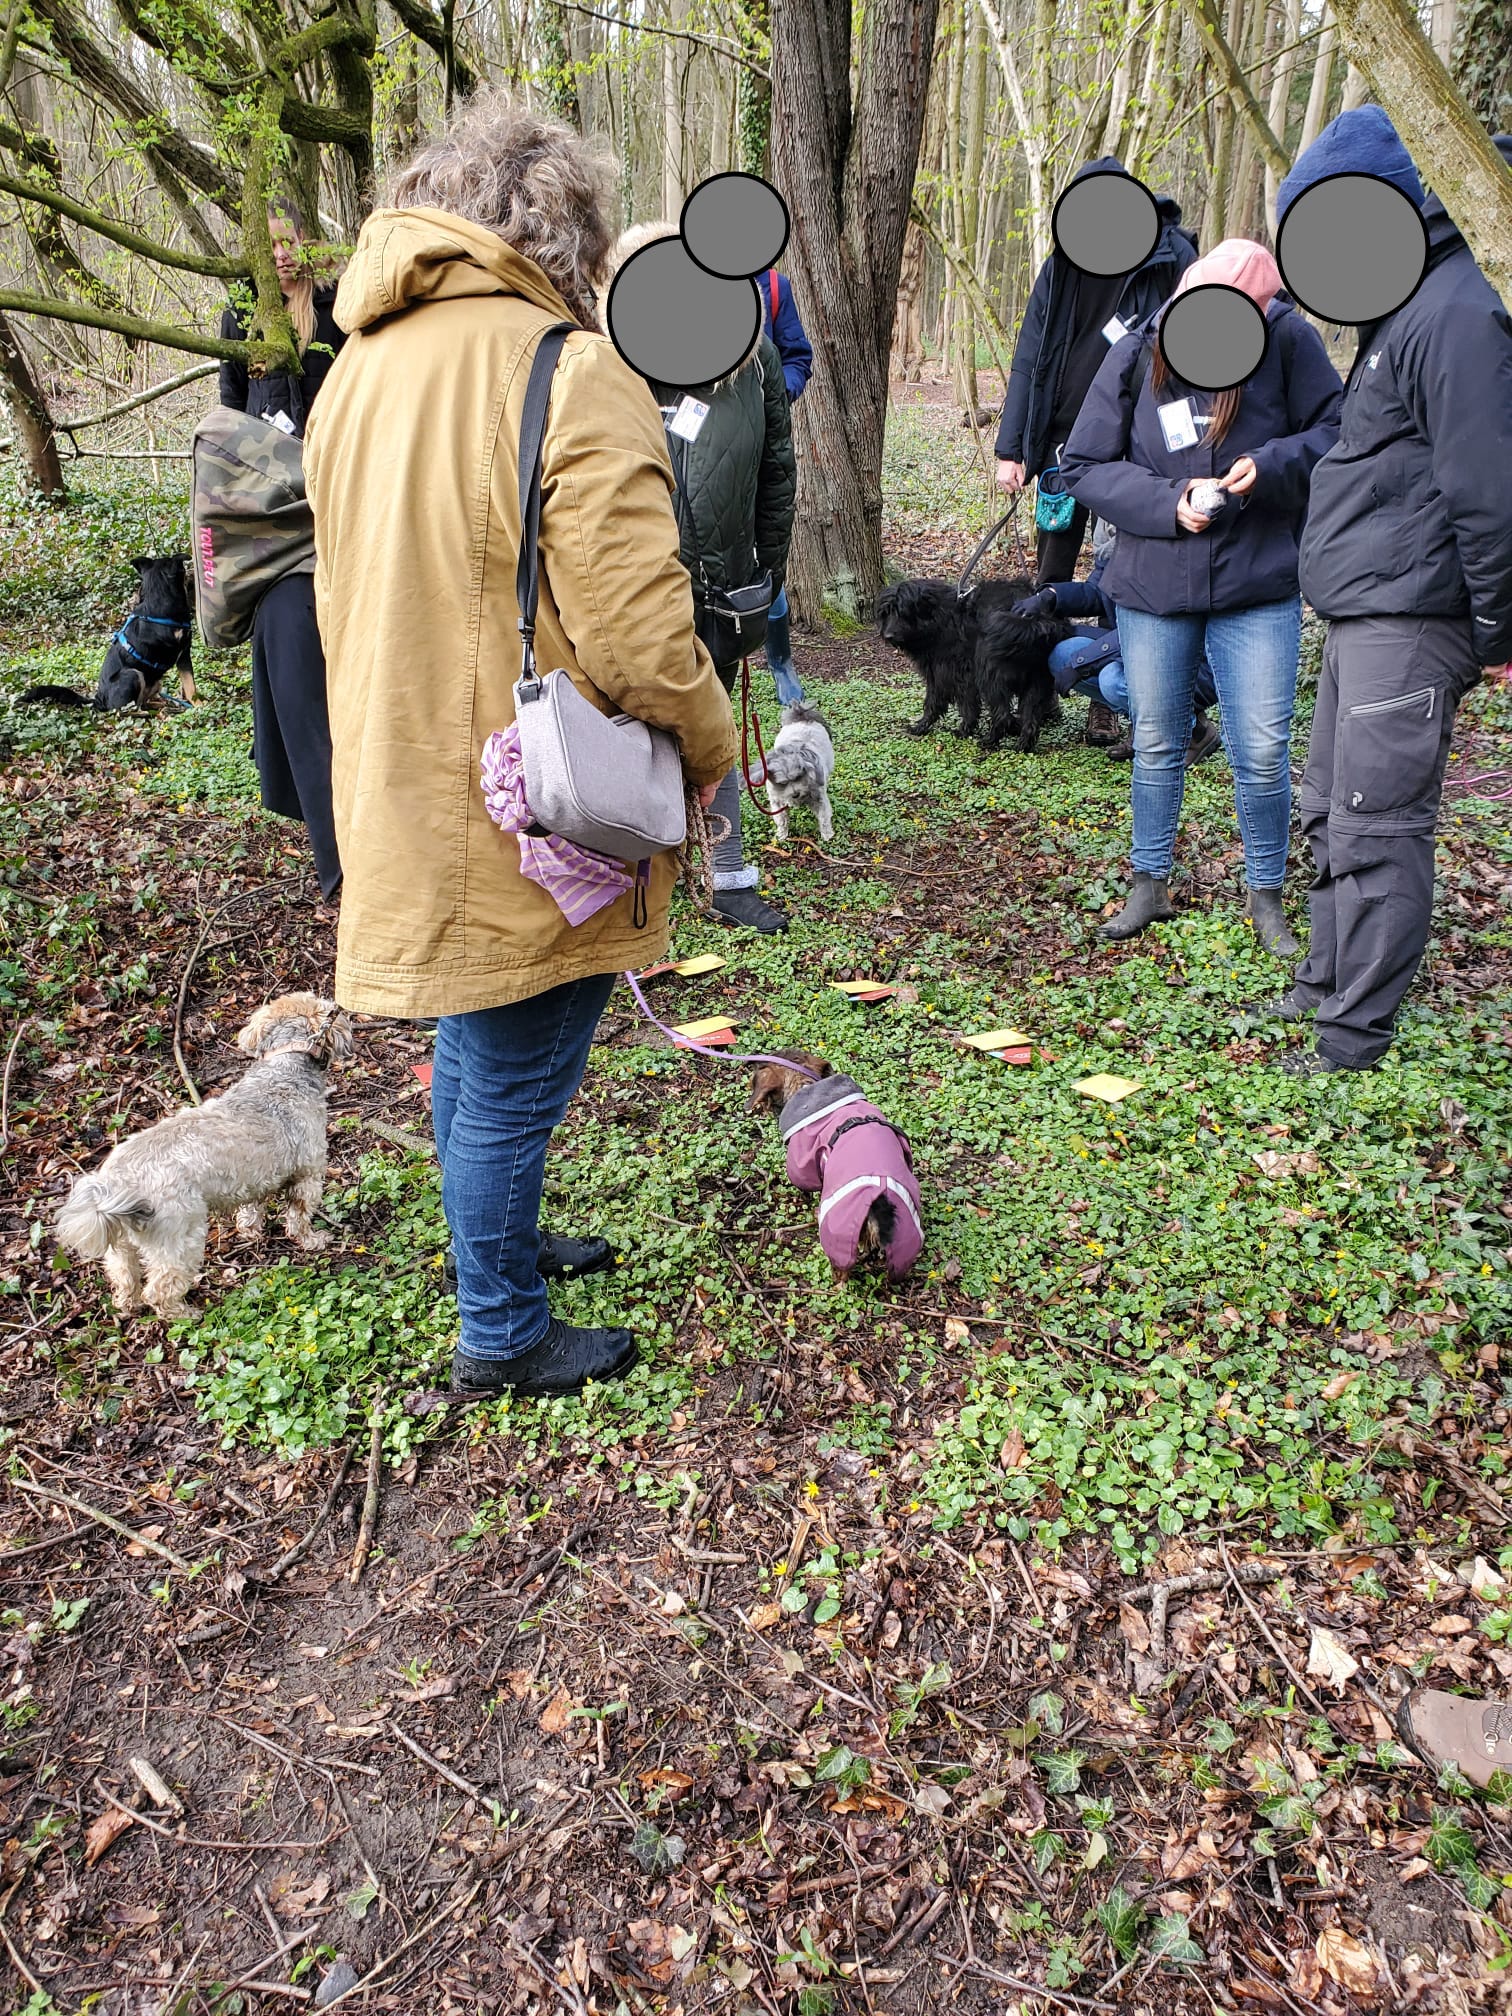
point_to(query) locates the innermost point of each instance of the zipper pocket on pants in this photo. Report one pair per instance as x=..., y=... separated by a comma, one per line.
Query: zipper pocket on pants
x=1424, y=693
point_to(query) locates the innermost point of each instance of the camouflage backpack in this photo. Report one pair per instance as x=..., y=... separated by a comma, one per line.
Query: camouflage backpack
x=252, y=520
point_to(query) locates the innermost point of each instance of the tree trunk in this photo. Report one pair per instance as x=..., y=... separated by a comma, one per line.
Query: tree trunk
x=908, y=326
x=31, y=423
x=1453, y=152
x=1280, y=101
x=969, y=199
x=847, y=171
x=1316, y=116
x=674, y=130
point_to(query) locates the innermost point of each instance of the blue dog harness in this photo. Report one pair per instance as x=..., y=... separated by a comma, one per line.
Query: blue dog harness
x=140, y=658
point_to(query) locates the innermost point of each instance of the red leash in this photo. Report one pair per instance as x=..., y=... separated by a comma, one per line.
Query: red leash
x=749, y=719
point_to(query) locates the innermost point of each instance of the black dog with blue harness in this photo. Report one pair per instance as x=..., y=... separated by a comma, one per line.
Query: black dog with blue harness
x=156, y=639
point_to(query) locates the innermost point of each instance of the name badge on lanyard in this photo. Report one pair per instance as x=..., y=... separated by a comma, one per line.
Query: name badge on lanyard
x=688, y=419
x=1178, y=423
x=1114, y=331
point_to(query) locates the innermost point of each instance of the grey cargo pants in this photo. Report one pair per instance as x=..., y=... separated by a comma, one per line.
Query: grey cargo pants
x=1369, y=804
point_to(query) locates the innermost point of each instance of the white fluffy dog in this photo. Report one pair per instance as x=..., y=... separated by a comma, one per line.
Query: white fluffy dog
x=146, y=1211
x=799, y=766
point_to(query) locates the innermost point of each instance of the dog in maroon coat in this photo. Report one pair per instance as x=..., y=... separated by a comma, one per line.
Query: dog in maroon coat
x=840, y=1145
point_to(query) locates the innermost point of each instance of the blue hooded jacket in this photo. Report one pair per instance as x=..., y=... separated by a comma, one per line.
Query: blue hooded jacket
x=1411, y=511
x=787, y=332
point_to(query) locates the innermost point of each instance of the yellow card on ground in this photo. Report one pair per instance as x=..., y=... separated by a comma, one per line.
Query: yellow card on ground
x=709, y=1026
x=868, y=987
x=999, y=1039
x=706, y=962
x=1104, y=1086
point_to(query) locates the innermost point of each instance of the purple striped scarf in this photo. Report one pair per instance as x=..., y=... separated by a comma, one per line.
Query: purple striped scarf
x=579, y=882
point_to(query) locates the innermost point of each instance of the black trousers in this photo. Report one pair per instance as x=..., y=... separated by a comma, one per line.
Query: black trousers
x=1056, y=553
x=1369, y=806
x=291, y=729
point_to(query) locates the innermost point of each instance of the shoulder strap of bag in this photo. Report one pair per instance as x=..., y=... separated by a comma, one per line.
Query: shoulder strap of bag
x=532, y=434
x=772, y=290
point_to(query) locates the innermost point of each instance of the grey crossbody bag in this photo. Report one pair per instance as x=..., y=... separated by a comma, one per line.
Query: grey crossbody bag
x=610, y=783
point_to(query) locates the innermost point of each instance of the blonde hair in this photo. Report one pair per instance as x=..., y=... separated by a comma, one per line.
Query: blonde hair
x=535, y=183
x=300, y=299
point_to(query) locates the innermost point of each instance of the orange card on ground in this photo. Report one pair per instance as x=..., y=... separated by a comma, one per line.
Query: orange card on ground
x=423, y=1072
x=710, y=1026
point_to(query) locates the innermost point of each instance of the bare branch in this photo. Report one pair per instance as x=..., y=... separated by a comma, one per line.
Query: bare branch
x=106, y=227
x=1245, y=103
x=168, y=334
x=130, y=405
x=430, y=29
x=726, y=49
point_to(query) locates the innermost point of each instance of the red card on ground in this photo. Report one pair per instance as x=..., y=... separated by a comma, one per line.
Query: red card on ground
x=423, y=1072
x=717, y=1039
x=1019, y=1054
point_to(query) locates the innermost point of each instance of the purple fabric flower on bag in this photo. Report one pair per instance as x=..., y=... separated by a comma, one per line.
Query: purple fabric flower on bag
x=578, y=881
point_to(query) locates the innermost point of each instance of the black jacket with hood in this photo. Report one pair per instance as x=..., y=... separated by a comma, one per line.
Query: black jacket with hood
x=1039, y=356
x=281, y=391
x=1411, y=511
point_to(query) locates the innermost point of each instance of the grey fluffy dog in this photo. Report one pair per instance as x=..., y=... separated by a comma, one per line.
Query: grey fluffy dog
x=799, y=766
x=146, y=1211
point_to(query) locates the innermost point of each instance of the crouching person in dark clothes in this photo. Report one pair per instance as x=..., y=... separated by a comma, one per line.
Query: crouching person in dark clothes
x=1408, y=553
x=291, y=730
x=1090, y=664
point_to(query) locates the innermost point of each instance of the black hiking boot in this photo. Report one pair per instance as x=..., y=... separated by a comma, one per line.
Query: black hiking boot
x=745, y=909
x=559, y=1260
x=563, y=1362
x=1287, y=1007
x=1313, y=1064
x=1149, y=902
x=1271, y=927
x=1205, y=739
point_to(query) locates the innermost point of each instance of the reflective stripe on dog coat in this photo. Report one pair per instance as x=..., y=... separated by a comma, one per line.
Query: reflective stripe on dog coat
x=852, y=1166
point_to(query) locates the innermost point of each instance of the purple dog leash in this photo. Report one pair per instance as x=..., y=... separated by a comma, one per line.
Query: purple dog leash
x=719, y=1056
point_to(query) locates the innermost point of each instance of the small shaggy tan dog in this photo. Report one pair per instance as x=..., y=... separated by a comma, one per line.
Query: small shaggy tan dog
x=146, y=1211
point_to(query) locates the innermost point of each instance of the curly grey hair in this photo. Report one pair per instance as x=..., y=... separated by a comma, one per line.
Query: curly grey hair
x=539, y=185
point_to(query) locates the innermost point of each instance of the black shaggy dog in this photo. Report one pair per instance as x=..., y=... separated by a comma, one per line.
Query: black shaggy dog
x=973, y=653
x=155, y=639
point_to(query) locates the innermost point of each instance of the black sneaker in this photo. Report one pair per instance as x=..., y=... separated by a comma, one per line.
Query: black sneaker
x=564, y=1361
x=1287, y=1007
x=745, y=909
x=559, y=1260
x=1313, y=1064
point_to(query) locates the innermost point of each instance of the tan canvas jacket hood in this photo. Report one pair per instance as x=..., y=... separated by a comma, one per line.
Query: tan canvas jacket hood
x=412, y=466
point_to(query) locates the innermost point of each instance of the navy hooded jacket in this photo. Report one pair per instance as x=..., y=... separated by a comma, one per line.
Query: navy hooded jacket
x=786, y=330
x=1412, y=510
x=1117, y=464
x=1044, y=338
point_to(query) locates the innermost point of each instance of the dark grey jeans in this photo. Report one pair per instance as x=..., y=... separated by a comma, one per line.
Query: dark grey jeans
x=1369, y=805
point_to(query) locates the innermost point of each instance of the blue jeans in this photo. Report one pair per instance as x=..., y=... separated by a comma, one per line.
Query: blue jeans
x=501, y=1082
x=779, y=652
x=1109, y=683
x=1253, y=653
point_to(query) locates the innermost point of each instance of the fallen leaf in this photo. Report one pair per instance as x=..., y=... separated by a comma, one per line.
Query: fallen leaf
x=676, y=1784
x=1136, y=1631
x=1449, y=1627
x=1011, y=1455
x=430, y=1690
x=110, y=1826
x=932, y=1799
x=765, y=1616
x=1338, y=1386
x=957, y=1332
x=1345, y=1960
x=1328, y=1659
x=1483, y=1580
x=554, y=1714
